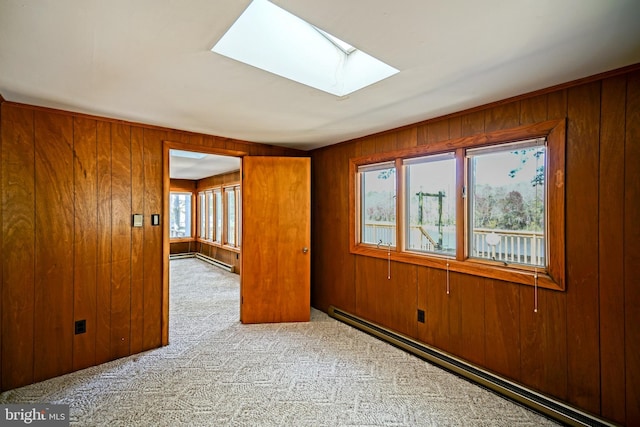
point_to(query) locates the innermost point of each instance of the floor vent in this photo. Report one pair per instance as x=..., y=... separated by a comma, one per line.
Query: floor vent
x=534, y=400
x=212, y=261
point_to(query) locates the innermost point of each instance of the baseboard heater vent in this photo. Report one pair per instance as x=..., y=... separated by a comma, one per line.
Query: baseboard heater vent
x=217, y=263
x=212, y=261
x=536, y=401
x=183, y=255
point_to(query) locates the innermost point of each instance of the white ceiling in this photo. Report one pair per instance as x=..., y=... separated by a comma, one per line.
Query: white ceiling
x=149, y=61
x=197, y=168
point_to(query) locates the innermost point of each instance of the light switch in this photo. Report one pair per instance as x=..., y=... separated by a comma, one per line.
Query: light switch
x=155, y=219
x=137, y=220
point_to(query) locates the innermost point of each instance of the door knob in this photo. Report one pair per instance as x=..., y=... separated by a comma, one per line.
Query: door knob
x=305, y=250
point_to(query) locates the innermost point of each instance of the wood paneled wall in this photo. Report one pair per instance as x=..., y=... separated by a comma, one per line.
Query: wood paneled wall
x=69, y=186
x=583, y=345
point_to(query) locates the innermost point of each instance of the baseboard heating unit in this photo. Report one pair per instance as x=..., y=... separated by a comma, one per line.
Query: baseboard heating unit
x=212, y=261
x=543, y=404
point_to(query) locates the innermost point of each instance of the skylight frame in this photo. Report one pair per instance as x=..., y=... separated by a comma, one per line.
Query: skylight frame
x=272, y=39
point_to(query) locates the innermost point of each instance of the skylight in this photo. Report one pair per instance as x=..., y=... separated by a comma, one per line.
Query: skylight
x=270, y=38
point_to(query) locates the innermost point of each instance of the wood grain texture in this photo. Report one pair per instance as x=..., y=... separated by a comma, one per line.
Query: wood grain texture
x=611, y=247
x=502, y=117
x=18, y=246
x=137, y=241
x=582, y=246
x=543, y=341
x=120, y=241
x=632, y=251
x=472, y=319
x=103, y=284
x=502, y=328
x=54, y=213
x=533, y=110
x=85, y=244
x=437, y=307
x=391, y=302
x=329, y=285
x=153, y=204
x=275, y=282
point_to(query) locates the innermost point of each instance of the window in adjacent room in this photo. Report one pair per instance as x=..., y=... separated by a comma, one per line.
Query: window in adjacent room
x=180, y=215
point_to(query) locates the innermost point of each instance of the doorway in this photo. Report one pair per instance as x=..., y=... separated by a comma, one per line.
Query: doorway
x=202, y=209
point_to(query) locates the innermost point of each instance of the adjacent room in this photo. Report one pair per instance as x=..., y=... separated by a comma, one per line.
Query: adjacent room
x=320, y=213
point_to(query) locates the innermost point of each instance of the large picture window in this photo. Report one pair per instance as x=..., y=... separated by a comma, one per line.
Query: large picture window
x=490, y=205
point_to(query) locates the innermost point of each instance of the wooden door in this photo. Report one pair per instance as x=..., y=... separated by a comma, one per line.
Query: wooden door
x=276, y=230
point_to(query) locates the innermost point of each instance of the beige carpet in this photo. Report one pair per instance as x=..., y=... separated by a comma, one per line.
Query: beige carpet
x=218, y=372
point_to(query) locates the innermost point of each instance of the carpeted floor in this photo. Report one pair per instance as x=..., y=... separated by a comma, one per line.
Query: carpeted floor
x=218, y=372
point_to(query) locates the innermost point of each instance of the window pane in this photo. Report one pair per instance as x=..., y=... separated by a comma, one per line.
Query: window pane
x=507, y=205
x=378, y=206
x=180, y=215
x=203, y=216
x=231, y=216
x=209, y=215
x=431, y=205
x=218, y=196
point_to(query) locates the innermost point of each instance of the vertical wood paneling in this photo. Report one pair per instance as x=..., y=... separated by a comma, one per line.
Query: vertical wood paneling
x=54, y=241
x=120, y=240
x=557, y=105
x=436, y=328
x=137, y=241
x=632, y=250
x=85, y=185
x=18, y=246
x=582, y=246
x=152, y=144
x=533, y=110
x=391, y=302
x=502, y=328
x=472, y=317
x=103, y=285
x=502, y=117
x=611, y=247
x=543, y=341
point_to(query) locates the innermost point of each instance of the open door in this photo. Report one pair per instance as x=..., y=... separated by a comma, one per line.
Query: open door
x=276, y=257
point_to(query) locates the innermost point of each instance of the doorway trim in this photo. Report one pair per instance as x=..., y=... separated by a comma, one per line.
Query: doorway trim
x=166, y=184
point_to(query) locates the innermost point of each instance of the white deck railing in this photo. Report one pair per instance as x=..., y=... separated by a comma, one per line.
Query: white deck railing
x=523, y=247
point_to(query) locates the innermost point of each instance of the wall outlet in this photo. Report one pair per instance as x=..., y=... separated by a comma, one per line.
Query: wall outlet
x=421, y=316
x=81, y=327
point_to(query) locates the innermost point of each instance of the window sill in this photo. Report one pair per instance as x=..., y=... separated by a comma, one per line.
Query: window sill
x=181, y=239
x=219, y=245
x=524, y=275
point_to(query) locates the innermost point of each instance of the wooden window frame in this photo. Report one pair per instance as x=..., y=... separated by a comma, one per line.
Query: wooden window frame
x=551, y=277
x=235, y=188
